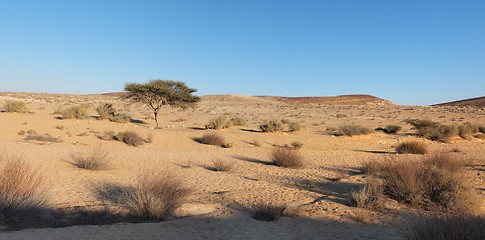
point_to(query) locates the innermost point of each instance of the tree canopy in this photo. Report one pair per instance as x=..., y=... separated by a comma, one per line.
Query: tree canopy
x=158, y=93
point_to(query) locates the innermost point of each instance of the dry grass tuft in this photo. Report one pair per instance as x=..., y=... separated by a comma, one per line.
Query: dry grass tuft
x=106, y=110
x=42, y=138
x=77, y=112
x=268, y=211
x=392, y=128
x=95, y=159
x=130, y=138
x=436, y=182
x=465, y=130
x=212, y=139
x=222, y=165
x=271, y=126
x=21, y=189
x=352, y=130
x=286, y=157
x=412, y=147
x=370, y=197
x=455, y=227
x=154, y=196
x=433, y=130
x=294, y=126
x=15, y=106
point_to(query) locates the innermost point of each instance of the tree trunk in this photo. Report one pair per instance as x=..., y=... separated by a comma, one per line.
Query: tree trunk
x=156, y=119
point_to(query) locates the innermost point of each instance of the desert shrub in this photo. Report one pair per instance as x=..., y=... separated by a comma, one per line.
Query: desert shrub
x=255, y=143
x=21, y=189
x=412, y=147
x=154, y=196
x=442, y=227
x=120, y=118
x=227, y=145
x=106, y=110
x=41, y=138
x=212, y=139
x=271, y=126
x=294, y=126
x=467, y=129
x=222, y=165
x=77, y=112
x=286, y=157
x=107, y=135
x=285, y=121
x=15, y=106
x=351, y=130
x=392, y=128
x=436, y=182
x=433, y=130
x=237, y=121
x=371, y=196
x=481, y=129
x=268, y=211
x=130, y=138
x=297, y=145
x=95, y=159
x=219, y=123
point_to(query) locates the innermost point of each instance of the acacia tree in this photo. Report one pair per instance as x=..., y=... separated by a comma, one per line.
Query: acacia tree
x=158, y=93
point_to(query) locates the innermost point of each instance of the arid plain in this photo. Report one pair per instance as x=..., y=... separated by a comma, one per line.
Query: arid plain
x=220, y=204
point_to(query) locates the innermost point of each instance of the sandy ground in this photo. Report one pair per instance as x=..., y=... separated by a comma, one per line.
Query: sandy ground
x=321, y=202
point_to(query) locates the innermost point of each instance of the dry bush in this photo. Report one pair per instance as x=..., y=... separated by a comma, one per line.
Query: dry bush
x=286, y=157
x=77, y=112
x=255, y=143
x=467, y=129
x=106, y=110
x=268, y=211
x=481, y=129
x=95, y=159
x=212, y=139
x=412, y=147
x=42, y=138
x=297, y=145
x=222, y=165
x=271, y=126
x=219, y=123
x=120, y=118
x=21, y=189
x=154, y=196
x=445, y=227
x=107, y=135
x=433, y=130
x=237, y=121
x=370, y=197
x=352, y=130
x=436, y=182
x=392, y=128
x=15, y=106
x=130, y=138
x=294, y=126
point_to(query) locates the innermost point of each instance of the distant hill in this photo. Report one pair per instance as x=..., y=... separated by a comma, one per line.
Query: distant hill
x=476, y=102
x=355, y=99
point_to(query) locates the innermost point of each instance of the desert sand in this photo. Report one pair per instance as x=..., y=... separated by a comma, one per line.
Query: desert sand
x=218, y=207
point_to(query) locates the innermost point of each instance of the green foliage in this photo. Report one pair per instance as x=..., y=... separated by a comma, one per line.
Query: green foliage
x=433, y=130
x=15, y=106
x=158, y=93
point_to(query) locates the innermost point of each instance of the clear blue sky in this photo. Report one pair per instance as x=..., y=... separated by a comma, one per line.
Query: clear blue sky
x=410, y=52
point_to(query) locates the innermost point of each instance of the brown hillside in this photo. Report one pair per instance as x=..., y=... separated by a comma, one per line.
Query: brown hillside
x=476, y=102
x=356, y=99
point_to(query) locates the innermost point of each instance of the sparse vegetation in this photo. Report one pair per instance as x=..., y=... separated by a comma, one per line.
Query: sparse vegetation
x=120, y=118
x=130, y=138
x=433, y=130
x=294, y=126
x=21, y=189
x=158, y=93
x=286, y=157
x=154, y=196
x=255, y=143
x=219, y=123
x=222, y=165
x=106, y=111
x=77, y=112
x=268, y=211
x=297, y=145
x=437, y=182
x=453, y=227
x=32, y=136
x=271, y=126
x=237, y=121
x=370, y=197
x=352, y=130
x=465, y=130
x=392, y=128
x=95, y=159
x=412, y=147
x=107, y=135
x=212, y=139
x=15, y=106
